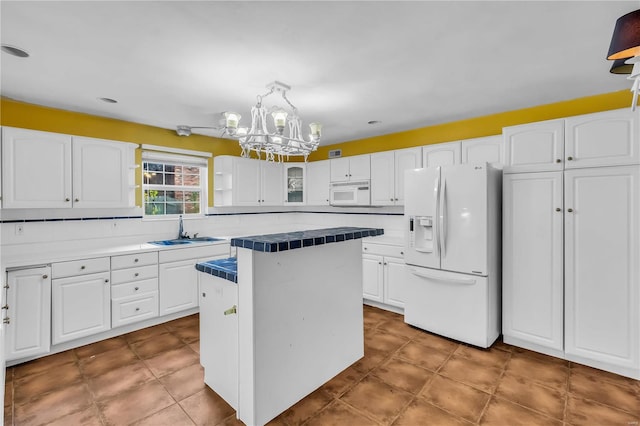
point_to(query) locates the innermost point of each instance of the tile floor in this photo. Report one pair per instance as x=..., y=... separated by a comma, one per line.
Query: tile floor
x=407, y=377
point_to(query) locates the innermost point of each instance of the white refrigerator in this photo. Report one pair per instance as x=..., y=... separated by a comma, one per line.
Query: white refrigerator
x=452, y=251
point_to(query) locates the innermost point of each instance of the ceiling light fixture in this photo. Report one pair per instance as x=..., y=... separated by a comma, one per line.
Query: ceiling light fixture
x=15, y=51
x=273, y=140
x=625, y=43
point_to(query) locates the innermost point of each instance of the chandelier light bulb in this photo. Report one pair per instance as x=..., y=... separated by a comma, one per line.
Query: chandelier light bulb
x=232, y=120
x=315, y=128
x=279, y=120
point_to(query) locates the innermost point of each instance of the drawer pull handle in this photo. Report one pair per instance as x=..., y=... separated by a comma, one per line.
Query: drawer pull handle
x=6, y=307
x=136, y=288
x=231, y=310
x=6, y=320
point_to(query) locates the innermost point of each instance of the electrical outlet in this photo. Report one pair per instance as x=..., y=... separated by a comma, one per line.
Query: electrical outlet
x=19, y=229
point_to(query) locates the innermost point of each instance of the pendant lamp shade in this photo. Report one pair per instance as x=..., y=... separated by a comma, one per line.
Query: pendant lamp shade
x=620, y=67
x=625, y=41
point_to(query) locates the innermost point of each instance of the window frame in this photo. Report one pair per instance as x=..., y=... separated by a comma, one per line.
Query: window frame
x=170, y=159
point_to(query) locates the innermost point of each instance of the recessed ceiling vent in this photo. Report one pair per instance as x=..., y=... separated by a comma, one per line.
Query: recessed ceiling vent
x=335, y=153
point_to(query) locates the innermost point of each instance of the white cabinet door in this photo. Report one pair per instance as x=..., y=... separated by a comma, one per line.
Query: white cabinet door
x=441, y=154
x=360, y=167
x=353, y=168
x=405, y=159
x=603, y=139
x=484, y=150
x=383, y=178
x=178, y=286
x=247, y=182
x=295, y=183
x=219, y=336
x=532, y=274
x=101, y=173
x=535, y=147
x=270, y=183
x=28, y=331
x=318, y=179
x=339, y=169
x=372, y=277
x=36, y=168
x=602, y=262
x=395, y=281
x=81, y=306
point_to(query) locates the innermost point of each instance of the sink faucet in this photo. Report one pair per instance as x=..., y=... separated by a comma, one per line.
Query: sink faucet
x=180, y=228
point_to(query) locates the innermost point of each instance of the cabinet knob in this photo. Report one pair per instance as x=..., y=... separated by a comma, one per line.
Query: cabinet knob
x=558, y=160
x=67, y=199
x=76, y=200
x=365, y=248
x=83, y=267
x=402, y=252
x=136, y=274
x=570, y=158
x=44, y=277
x=570, y=210
x=137, y=309
x=6, y=320
x=5, y=307
x=204, y=294
x=558, y=209
x=136, y=288
x=390, y=199
x=135, y=260
x=395, y=199
x=385, y=263
x=106, y=281
x=379, y=263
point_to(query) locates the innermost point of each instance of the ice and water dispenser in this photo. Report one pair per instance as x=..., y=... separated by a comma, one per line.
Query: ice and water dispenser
x=421, y=233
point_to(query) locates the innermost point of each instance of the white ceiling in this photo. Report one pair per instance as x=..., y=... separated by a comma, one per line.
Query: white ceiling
x=407, y=64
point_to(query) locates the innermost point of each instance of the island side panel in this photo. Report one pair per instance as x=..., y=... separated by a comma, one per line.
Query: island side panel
x=307, y=319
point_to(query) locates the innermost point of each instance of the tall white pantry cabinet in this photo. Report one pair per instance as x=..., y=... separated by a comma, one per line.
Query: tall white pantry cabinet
x=571, y=239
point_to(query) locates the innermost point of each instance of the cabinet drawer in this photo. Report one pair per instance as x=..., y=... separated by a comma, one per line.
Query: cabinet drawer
x=383, y=250
x=79, y=267
x=134, y=274
x=203, y=251
x=134, y=288
x=131, y=260
x=133, y=309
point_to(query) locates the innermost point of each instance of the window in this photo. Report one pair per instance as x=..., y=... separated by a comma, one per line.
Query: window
x=173, y=184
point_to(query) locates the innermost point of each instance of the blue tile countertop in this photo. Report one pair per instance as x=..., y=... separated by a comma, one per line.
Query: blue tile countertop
x=272, y=243
x=223, y=268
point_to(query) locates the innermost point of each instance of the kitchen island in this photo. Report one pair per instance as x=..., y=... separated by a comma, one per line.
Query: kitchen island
x=282, y=318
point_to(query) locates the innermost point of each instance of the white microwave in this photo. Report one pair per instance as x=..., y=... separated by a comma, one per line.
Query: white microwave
x=351, y=193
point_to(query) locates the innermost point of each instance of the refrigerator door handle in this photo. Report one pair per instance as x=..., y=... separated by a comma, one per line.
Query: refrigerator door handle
x=436, y=235
x=463, y=281
x=442, y=211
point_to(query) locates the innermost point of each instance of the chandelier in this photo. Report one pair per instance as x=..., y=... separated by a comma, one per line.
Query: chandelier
x=278, y=139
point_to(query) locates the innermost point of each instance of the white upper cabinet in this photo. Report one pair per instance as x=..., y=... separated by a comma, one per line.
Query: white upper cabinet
x=242, y=181
x=489, y=149
x=318, y=180
x=383, y=178
x=441, y=154
x=603, y=139
x=51, y=170
x=353, y=168
x=36, y=168
x=101, y=173
x=294, y=183
x=387, y=174
x=534, y=147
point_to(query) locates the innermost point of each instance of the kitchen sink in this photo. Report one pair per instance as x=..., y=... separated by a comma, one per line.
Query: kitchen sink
x=178, y=241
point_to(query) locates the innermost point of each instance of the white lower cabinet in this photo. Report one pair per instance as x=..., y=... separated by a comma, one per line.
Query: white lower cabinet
x=28, y=313
x=219, y=331
x=134, y=288
x=383, y=274
x=80, y=306
x=571, y=267
x=178, y=277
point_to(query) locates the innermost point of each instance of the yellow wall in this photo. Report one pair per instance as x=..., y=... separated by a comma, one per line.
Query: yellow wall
x=29, y=116
x=477, y=127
